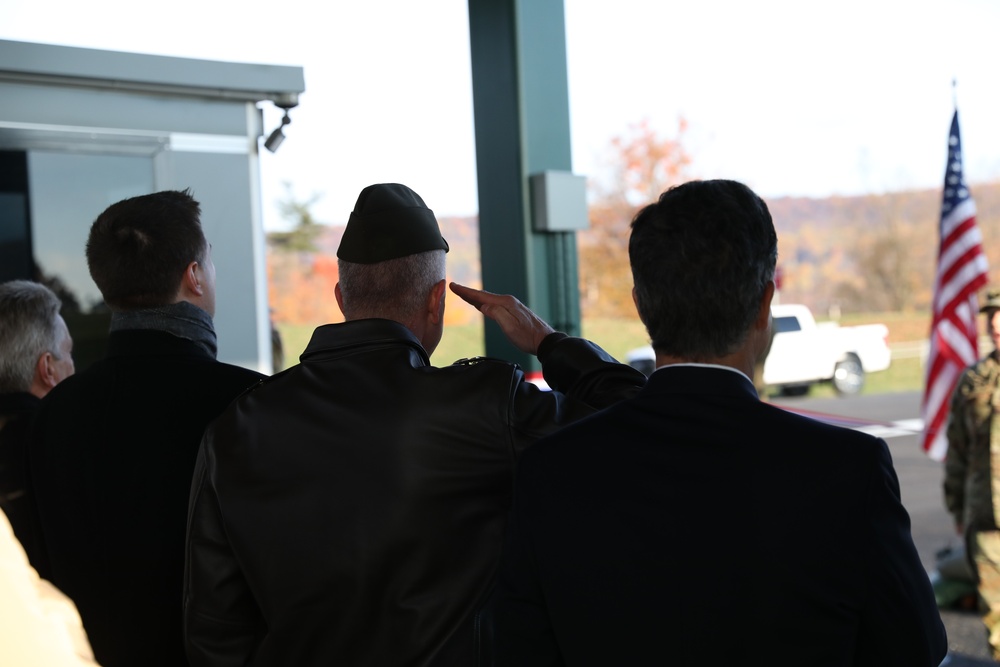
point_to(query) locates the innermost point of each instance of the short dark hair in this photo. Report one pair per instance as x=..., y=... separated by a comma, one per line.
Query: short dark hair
x=138, y=248
x=702, y=256
x=394, y=289
x=28, y=329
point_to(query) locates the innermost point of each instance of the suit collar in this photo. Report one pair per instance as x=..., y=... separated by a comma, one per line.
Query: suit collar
x=692, y=364
x=700, y=379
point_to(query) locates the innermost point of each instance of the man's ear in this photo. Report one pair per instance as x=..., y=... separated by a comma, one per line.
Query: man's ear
x=192, y=281
x=435, y=302
x=45, y=372
x=764, y=314
x=340, y=298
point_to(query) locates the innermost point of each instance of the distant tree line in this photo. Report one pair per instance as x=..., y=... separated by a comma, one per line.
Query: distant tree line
x=873, y=253
x=866, y=254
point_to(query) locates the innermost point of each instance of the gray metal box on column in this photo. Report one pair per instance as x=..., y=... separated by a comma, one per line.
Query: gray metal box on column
x=558, y=202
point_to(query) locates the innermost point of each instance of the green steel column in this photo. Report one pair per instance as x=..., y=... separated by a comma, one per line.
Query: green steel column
x=521, y=101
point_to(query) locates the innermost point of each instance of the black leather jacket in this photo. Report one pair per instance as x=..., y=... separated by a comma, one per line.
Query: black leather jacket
x=351, y=509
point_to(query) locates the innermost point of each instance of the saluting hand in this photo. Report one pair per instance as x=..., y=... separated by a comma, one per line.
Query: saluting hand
x=521, y=326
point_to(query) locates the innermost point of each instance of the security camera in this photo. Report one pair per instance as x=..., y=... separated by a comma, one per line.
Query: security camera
x=275, y=138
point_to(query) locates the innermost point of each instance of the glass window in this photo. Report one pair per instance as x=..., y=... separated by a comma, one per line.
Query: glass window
x=786, y=323
x=67, y=192
x=15, y=242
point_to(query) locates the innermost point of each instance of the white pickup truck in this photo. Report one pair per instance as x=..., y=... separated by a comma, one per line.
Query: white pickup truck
x=804, y=353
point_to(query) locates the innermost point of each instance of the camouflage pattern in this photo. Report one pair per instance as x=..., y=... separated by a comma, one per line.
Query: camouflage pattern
x=987, y=559
x=972, y=480
x=972, y=468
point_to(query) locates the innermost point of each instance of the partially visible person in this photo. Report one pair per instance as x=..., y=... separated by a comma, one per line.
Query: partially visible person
x=350, y=510
x=696, y=524
x=114, y=446
x=36, y=354
x=972, y=470
x=277, y=349
x=39, y=626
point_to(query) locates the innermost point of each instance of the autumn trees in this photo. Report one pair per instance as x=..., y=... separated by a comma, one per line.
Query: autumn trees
x=300, y=276
x=871, y=253
x=868, y=253
x=640, y=165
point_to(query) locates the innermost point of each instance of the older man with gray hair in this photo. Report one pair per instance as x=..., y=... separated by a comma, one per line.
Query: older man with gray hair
x=35, y=355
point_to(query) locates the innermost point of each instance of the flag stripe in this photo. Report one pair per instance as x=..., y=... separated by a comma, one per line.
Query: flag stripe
x=938, y=448
x=963, y=211
x=960, y=349
x=968, y=279
x=957, y=244
x=938, y=407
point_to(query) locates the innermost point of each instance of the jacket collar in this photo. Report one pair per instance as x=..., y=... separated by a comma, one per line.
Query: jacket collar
x=18, y=403
x=337, y=338
x=706, y=380
x=150, y=342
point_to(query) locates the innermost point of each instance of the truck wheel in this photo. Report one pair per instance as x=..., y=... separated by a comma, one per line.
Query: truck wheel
x=848, y=376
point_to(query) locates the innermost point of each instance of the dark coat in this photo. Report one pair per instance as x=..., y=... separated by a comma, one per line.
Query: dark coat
x=111, y=464
x=17, y=411
x=697, y=525
x=350, y=511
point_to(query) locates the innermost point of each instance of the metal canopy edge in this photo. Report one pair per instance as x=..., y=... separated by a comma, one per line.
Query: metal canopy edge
x=26, y=62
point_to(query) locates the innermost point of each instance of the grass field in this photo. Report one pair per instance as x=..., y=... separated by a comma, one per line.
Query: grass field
x=620, y=336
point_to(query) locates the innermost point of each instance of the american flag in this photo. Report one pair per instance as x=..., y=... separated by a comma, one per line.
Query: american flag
x=961, y=272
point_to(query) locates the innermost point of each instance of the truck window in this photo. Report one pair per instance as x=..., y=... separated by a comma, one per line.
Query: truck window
x=786, y=323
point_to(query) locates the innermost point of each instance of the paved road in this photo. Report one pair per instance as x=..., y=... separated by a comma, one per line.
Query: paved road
x=895, y=417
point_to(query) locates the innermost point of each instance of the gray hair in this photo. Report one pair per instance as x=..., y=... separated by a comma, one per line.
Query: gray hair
x=28, y=329
x=395, y=289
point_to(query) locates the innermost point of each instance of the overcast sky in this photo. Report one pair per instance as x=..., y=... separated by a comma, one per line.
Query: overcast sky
x=791, y=97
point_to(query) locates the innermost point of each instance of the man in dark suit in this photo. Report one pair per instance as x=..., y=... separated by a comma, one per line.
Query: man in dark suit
x=114, y=449
x=695, y=524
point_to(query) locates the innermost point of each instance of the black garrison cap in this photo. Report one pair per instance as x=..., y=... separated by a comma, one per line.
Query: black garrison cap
x=389, y=221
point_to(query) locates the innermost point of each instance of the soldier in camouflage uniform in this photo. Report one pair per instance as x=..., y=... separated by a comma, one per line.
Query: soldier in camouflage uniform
x=972, y=469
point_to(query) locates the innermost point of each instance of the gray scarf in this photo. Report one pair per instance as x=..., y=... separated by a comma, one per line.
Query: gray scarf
x=182, y=319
